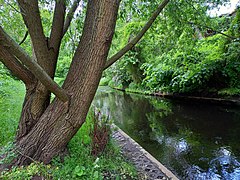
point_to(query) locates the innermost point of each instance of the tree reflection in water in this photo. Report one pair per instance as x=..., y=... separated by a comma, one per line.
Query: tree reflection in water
x=196, y=141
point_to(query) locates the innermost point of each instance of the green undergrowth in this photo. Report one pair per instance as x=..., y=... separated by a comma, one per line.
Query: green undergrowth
x=136, y=91
x=229, y=92
x=11, y=98
x=77, y=164
x=183, y=63
x=223, y=93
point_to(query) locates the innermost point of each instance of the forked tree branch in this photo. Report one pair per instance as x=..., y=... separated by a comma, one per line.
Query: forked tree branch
x=70, y=16
x=18, y=69
x=12, y=47
x=31, y=16
x=135, y=40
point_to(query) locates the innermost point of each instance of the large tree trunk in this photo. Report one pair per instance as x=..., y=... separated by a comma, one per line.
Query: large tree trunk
x=45, y=52
x=60, y=122
x=36, y=101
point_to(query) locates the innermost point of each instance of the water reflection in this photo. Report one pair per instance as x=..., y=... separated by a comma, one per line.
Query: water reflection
x=196, y=141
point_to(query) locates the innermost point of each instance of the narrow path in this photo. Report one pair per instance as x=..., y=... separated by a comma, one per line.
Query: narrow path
x=147, y=166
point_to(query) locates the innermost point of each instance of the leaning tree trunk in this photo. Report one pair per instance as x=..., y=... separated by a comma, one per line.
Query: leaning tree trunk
x=45, y=52
x=32, y=108
x=60, y=122
x=36, y=101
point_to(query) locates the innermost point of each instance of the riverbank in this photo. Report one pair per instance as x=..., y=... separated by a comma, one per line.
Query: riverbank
x=147, y=166
x=177, y=133
x=77, y=164
x=232, y=101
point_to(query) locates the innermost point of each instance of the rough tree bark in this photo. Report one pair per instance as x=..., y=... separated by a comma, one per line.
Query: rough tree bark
x=44, y=128
x=59, y=123
x=46, y=52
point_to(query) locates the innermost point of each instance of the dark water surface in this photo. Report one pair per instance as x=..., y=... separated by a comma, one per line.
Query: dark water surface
x=195, y=141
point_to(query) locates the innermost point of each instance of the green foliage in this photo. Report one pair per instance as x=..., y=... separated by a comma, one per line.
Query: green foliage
x=8, y=152
x=4, y=79
x=79, y=164
x=63, y=66
x=229, y=92
x=11, y=20
x=104, y=81
x=128, y=31
x=232, y=67
x=171, y=57
x=11, y=98
x=180, y=62
x=28, y=172
x=194, y=69
x=127, y=70
x=157, y=77
x=82, y=165
x=234, y=29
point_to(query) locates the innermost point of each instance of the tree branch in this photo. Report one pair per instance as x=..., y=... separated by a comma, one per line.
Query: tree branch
x=56, y=33
x=216, y=31
x=12, y=47
x=18, y=69
x=24, y=38
x=135, y=40
x=57, y=25
x=70, y=16
x=31, y=16
x=12, y=6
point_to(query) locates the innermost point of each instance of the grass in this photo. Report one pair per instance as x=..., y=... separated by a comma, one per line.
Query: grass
x=11, y=98
x=79, y=164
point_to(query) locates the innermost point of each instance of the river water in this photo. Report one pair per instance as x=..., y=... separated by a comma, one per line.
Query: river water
x=194, y=141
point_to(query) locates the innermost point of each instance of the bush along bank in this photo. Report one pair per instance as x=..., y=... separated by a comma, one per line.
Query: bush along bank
x=232, y=101
x=206, y=67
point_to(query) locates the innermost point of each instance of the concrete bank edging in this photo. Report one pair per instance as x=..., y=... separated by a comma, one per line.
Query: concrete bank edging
x=159, y=165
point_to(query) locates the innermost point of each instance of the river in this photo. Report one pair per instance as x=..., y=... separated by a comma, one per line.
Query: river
x=194, y=141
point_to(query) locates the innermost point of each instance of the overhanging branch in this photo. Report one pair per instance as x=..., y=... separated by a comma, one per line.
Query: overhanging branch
x=18, y=69
x=12, y=47
x=216, y=31
x=70, y=16
x=135, y=40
